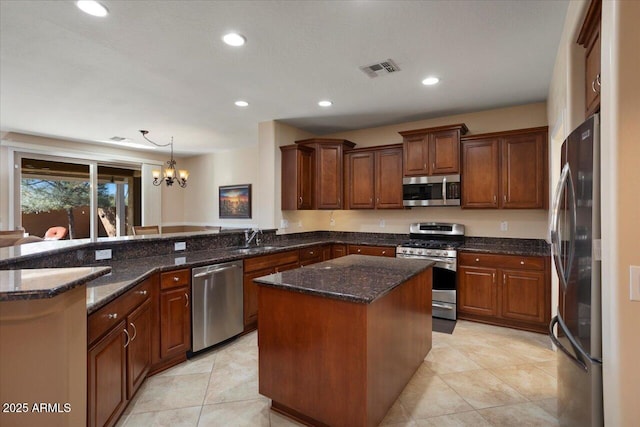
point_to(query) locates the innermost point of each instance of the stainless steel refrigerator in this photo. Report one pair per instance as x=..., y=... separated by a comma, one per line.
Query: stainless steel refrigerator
x=575, y=243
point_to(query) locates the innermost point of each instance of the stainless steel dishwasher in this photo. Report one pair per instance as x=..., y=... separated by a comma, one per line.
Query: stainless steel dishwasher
x=216, y=313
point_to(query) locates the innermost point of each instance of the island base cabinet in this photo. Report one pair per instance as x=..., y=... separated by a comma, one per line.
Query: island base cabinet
x=325, y=361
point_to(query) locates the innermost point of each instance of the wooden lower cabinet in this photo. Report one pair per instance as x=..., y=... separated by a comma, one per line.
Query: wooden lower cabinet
x=262, y=266
x=505, y=290
x=119, y=354
x=388, y=251
x=338, y=250
x=311, y=255
x=175, y=322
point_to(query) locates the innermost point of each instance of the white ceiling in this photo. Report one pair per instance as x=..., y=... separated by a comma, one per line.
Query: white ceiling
x=161, y=65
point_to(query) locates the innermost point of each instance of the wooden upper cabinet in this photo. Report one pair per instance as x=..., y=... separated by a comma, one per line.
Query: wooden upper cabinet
x=298, y=168
x=505, y=170
x=589, y=38
x=327, y=181
x=389, y=178
x=523, y=171
x=480, y=178
x=373, y=178
x=361, y=180
x=433, y=151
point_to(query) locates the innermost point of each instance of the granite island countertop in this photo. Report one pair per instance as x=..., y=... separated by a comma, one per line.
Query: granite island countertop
x=355, y=278
x=44, y=283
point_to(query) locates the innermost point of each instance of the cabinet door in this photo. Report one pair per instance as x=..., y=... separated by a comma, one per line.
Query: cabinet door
x=360, y=180
x=480, y=162
x=523, y=295
x=329, y=176
x=107, y=378
x=139, y=349
x=250, y=293
x=592, y=73
x=297, y=177
x=388, y=175
x=477, y=291
x=416, y=155
x=338, y=250
x=305, y=179
x=523, y=169
x=444, y=152
x=310, y=256
x=175, y=322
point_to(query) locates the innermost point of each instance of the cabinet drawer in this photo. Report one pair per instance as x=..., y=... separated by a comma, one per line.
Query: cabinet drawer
x=387, y=251
x=104, y=319
x=501, y=261
x=174, y=279
x=310, y=253
x=267, y=261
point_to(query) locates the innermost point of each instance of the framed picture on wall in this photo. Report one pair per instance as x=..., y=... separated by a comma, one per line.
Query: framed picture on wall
x=234, y=201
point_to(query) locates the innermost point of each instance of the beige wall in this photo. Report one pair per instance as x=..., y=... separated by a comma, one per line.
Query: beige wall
x=620, y=209
x=521, y=223
x=209, y=171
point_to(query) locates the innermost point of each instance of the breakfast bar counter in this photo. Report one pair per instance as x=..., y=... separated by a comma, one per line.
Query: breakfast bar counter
x=339, y=340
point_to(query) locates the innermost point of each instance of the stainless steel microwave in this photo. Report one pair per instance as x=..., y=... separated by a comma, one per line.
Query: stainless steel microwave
x=437, y=190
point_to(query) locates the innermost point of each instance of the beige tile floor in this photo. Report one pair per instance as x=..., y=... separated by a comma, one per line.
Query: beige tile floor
x=479, y=376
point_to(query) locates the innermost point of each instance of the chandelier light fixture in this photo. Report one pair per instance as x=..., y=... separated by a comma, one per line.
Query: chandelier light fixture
x=170, y=175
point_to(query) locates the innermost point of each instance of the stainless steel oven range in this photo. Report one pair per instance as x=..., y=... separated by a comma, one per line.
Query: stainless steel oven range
x=437, y=241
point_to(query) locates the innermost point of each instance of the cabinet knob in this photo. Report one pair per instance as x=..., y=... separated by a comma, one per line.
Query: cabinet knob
x=143, y=292
x=359, y=250
x=300, y=199
x=112, y=316
x=176, y=279
x=186, y=296
x=310, y=252
x=384, y=252
x=477, y=259
x=521, y=262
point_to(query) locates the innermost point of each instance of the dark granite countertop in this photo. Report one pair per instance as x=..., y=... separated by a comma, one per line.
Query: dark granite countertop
x=354, y=278
x=42, y=283
x=501, y=246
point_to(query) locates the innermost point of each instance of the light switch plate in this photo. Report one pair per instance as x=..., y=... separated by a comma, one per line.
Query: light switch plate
x=382, y=223
x=103, y=254
x=504, y=226
x=634, y=282
x=180, y=246
x=284, y=223
x=332, y=221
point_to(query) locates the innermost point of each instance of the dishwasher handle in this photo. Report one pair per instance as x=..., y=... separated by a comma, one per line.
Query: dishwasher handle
x=211, y=272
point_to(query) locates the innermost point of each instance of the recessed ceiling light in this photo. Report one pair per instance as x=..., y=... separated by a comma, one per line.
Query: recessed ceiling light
x=234, y=39
x=242, y=103
x=325, y=103
x=92, y=8
x=430, y=81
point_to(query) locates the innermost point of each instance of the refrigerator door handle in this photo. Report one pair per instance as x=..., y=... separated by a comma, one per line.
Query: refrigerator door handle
x=558, y=344
x=566, y=181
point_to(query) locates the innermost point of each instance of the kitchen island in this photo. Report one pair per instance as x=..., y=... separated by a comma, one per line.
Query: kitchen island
x=339, y=340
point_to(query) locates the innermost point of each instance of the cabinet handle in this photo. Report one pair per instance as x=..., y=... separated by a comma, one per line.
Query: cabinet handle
x=493, y=275
x=495, y=199
x=142, y=292
x=504, y=198
x=135, y=331
x=433, y=166
x=112, y=316
x=378, y=200
x=425, y=166
x=176, y=279
x=300, y=199
x=504, y=278
x=338, y=200
x=598, y=80
x=128, y=338
x=186, y=296
x=593, y=86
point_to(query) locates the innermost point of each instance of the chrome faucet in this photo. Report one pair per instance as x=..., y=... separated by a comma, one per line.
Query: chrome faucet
x=254, y=235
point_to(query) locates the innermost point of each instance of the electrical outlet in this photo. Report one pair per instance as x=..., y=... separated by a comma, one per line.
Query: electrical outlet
x=300, y=224
x=382, y=223
x=634, y=282
x=180, y=260
x=179, y=246
x=284, y=223
x=332, y=221
x=103, y=254
x=504, y=226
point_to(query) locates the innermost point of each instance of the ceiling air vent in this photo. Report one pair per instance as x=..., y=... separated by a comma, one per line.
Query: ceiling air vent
x=380, y=69
x=117, y=139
